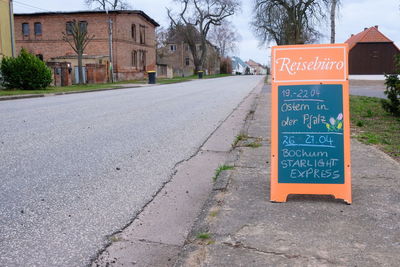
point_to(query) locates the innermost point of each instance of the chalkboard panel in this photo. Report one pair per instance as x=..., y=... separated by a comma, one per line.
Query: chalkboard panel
x=310, y=134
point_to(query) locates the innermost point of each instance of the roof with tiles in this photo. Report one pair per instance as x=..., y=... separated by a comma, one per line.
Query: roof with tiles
x=368, y=35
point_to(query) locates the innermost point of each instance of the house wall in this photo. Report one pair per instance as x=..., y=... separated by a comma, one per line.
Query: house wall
x=5, y=29
x=372, y=58
x=50, y=43
x=125, y=44
x=177, y=60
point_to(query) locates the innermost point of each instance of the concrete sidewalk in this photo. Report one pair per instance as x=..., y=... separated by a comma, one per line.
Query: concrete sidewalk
x=245, y=229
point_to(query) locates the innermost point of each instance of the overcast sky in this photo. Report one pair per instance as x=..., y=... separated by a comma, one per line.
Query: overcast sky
x=353, y=17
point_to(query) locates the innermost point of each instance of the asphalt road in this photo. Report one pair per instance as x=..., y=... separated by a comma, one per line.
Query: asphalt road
x=77, y=168
x=368, y=88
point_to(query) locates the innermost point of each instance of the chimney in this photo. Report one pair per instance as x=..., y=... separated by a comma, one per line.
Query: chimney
x=376, y=26
x=365, y=29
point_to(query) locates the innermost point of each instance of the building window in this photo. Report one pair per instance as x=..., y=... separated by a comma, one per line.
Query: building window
x=187, y=61
x=134, y=58
x=142, y=60
x=25, y=29
x=187, y=47
x=133, y=28
x=38, y=28
x=142, y=32
x=83, y=26
x=69, y=27
x=40, y=56
x=172, y=47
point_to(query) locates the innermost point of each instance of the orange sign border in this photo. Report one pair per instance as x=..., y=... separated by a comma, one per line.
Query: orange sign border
x=280, y=191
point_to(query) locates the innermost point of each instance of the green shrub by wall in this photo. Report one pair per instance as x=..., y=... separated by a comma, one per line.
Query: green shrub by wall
x=26, y=72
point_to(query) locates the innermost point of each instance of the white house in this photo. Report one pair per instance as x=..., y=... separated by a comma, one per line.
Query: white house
x=239, y=66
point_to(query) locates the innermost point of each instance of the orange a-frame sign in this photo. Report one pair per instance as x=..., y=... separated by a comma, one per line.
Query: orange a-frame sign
x=310, y=136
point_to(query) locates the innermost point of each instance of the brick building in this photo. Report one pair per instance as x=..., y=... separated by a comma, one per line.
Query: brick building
x=177, y=55
x=133, y=39
x=256, y=67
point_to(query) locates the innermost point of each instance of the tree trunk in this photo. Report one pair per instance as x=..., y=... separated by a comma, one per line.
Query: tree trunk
x=203, y=58
x=80, y=69
x=197, y=65
x=333, y=16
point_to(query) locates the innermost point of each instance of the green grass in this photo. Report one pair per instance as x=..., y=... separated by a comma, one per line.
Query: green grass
x=216, y=76
x=373, y=125
x=115, y=239
x=213, y=213
x=203, y=236
x=59, y=89
x=239, y=138
x=188, y=78
x=254, y=144
x=175, y=79
x=221, y=169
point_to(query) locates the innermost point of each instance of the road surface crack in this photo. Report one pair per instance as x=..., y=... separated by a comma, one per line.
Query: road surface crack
x=240, y=245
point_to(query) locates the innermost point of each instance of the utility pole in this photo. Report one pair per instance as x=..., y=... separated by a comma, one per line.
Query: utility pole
x=110, y=46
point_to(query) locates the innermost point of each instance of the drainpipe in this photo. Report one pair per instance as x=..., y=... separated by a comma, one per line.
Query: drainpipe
x=110, y=45
x=12, y=28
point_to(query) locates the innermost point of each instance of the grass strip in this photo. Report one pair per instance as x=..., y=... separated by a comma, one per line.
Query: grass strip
x=94, y=87
x=221, y=169
x=372, y=125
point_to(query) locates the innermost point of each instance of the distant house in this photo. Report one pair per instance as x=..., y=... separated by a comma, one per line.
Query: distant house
x=176, y=55
x=257, y=68
x=371, y=52
x=6, y=29
x=133, y=42
x=239, y=67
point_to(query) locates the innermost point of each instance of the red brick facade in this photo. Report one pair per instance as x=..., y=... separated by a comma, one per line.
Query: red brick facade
x=133, y=38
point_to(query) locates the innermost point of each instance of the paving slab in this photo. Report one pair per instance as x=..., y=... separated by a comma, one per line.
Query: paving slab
x=246, y=229
x=122, y=254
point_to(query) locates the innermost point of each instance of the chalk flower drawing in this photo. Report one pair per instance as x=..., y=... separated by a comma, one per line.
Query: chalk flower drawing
x=335, y=125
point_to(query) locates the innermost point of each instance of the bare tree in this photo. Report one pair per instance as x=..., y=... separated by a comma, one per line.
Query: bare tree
x=108, y=4
x=161, y=37
x=78, y=38
x=334, y=4
x=225, y=37
x=288, y=21
x=196, y=18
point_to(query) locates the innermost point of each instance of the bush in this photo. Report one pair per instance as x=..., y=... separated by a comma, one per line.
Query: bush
x=26, y=72
x=226, y=65
x=392, y=104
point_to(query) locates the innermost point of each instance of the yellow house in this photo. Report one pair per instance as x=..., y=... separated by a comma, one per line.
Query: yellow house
x=6, y=29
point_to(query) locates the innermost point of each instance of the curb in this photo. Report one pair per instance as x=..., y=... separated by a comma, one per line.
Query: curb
x=15, y=97
x=220, y=185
